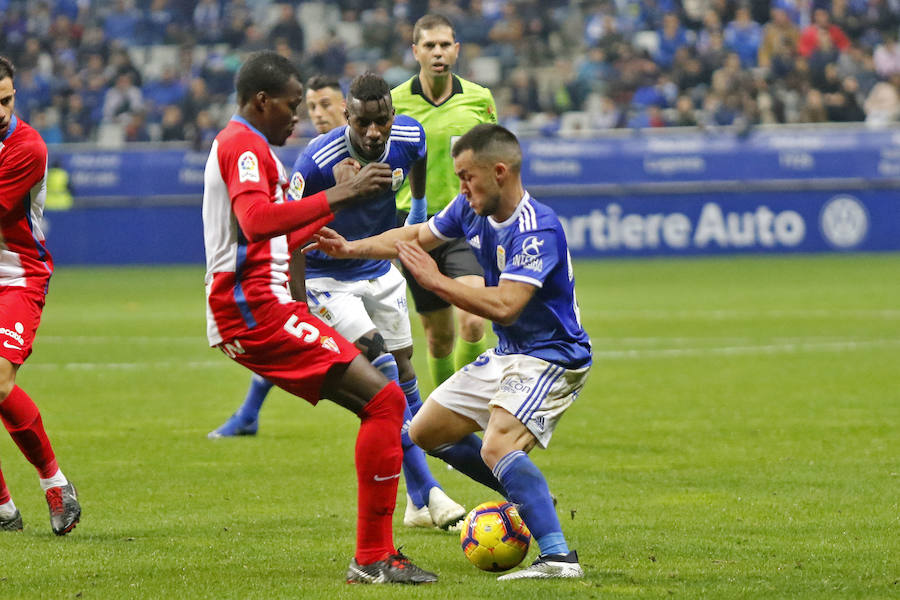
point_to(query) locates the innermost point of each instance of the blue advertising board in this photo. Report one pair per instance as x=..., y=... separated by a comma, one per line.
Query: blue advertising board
x=634, y=194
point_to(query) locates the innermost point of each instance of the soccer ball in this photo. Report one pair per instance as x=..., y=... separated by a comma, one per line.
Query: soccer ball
x=494, y=537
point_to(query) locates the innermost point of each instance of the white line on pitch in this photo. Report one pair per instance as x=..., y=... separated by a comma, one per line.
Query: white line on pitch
x=784, y=348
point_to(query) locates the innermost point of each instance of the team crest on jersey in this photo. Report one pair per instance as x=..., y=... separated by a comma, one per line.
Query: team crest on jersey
x=501, y=257
x=295, y=189
x=329, y=344
x=248, y=167
x=396, y=178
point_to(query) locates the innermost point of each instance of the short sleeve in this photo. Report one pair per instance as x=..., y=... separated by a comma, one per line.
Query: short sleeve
x=242, y=167
x=306, y=179
x=448, y=224
x=531, y=257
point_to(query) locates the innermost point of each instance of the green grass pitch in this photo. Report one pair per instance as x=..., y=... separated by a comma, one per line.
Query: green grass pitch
x=738, y=438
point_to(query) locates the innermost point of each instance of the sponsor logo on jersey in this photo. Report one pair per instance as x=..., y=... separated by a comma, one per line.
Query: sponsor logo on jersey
x=475, y=242
x=538, y=423
x=248, y=167
x=530, y=257
x=329, y=344
x=295, y=189
x=501, y=257
x=396, y=178
x=324, y=313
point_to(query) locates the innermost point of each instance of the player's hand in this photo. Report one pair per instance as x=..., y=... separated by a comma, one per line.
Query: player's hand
x=372, y=179
x=419, y=263
x=330, y=242
x=345, y=170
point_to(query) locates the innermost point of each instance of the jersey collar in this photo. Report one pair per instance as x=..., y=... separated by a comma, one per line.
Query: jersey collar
x=13, y=123
x=355, y=155
x=247, y=124
x=513, y=217
x=415, y=88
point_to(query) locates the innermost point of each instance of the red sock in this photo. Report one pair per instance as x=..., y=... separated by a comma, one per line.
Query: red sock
x=22, y=419
x=378, y=459
x=4, y=491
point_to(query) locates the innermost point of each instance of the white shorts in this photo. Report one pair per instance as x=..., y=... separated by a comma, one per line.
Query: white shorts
x=354, y=308
x=533, y=390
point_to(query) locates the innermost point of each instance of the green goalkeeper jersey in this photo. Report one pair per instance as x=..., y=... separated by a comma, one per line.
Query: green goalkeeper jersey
x=469, y=104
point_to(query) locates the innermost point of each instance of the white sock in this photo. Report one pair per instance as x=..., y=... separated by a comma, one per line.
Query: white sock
x=8, y=510
x=57, y=480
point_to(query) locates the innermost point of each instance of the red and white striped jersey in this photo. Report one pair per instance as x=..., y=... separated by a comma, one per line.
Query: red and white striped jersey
x=242, y=277
x=24, y=259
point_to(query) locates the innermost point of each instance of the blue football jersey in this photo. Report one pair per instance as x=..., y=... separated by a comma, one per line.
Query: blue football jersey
x=529, y=247
x=313, y=172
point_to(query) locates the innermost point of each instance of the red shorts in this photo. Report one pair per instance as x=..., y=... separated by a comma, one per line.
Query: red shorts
x=20, y=314
x=292, y=349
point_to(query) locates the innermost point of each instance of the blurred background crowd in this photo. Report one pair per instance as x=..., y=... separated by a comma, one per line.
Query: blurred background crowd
x=162, y=70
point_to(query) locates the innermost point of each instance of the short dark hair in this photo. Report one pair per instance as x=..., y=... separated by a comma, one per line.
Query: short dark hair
x=6, y=68
x=490, y=142
x=369, y=86
x=264, y=71
x=430, y=21
x=320, y=82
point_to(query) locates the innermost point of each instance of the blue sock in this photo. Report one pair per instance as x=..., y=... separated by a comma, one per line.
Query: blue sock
x=465, y=457
x=387, y=365
x=411, y=391
x=416, y=473
x=529, y=492
x=256, y=395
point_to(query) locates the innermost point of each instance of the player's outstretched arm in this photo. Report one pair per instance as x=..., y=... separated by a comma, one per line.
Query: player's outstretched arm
x=501, y=304
x=382, y=246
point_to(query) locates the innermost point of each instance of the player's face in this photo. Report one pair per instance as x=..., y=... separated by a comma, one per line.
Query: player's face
x=478, y=182
x=326, y=108
x=436, y=50
x=370, y=124
x=7, y=104
x=281, y=113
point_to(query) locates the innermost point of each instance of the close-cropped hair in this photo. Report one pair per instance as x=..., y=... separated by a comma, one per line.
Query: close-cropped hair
x=6, y=68
x=431, y=21
x=490, y=142
x=369, y=86
x=320, y=82
x=264, y=71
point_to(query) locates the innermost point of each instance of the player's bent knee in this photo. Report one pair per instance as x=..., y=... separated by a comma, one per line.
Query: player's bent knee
x=420, y=436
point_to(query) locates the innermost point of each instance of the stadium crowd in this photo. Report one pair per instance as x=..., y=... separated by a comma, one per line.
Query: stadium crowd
x=162, y=70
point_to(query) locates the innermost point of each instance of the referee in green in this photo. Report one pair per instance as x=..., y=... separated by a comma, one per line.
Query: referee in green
x=447, y=106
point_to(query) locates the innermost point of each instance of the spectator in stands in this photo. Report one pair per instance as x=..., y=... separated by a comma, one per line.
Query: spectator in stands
x=172, y=127
x=844, y=105
x=887, y=55
x=162, y=92
x=882, y=105
x=121, y=23
x=743, y=35
x=122, y=100
x=672, y=35
x=288, y=28
x=136, y=127
x=207, y=20
x=78, y=123
x=120, y=63
x=685, y=112
x=779, y=37
x=158, y=25
x=196, y=99
x=821, y=29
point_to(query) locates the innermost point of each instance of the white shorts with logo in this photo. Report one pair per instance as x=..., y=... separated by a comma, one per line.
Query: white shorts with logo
x=354, y=308
x=533, y=390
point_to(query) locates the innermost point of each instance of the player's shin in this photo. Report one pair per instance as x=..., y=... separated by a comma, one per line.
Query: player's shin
x=22, y=420
x=529, y=492
x=465, y=457
x=378, y=459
